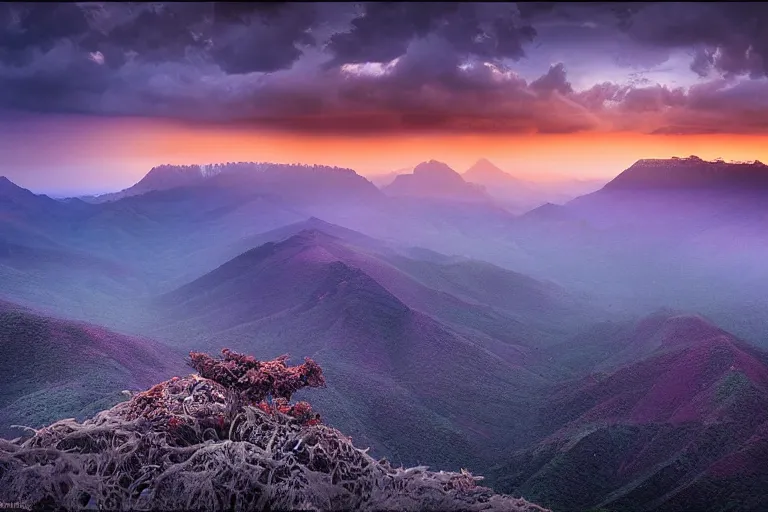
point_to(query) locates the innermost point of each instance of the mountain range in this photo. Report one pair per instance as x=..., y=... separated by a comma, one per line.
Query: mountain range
x=451, y=331
x=481, y=182
x=415, y=325
x=650, y=240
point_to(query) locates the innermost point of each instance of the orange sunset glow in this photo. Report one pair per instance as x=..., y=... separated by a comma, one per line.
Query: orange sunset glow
x=133, y=146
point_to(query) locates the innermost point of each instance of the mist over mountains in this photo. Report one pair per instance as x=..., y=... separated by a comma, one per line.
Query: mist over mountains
x=604, y=351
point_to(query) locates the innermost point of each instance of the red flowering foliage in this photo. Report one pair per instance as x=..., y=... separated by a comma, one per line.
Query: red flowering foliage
x=255, y=382
x=150, y=403
x=300, y=411
x=264, y=406
x=175, y=422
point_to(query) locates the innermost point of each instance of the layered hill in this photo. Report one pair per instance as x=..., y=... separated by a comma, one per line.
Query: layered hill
x=52, y=368
x=682, y=424
x=217, y=204
x=30, y=219
x=547, y=212
x=186, y=214
x=520, y=195
x=679, y=193
x=664, y=232
x=21, y=203
x=63, y=278
x=500, y=184
x=173, y=214
x=334, y=231
x=175, y=219
x=697, y=209
x=457, y=290
x=430, y=352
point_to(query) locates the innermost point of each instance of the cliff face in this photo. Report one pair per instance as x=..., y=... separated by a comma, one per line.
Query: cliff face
x=183, y=445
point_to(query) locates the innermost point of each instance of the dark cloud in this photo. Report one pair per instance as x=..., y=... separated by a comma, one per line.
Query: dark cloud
x=240, y=38
x=650, y=99
x=730, y=38
x=726, y=38
x=718, y=106
x=60, y=80
x=196, y=62
x=31, y=27
x=474, y=98
x=270, y=38
x=554, y=81
x=384, y=30
x=387, y=67
x=703, y=60
x=596, y=97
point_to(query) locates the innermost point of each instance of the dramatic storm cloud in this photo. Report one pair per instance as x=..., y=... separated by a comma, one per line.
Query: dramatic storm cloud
x=394, y=67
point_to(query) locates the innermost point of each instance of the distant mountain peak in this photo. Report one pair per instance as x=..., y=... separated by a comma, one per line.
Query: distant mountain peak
x=485, y=172
x=6, y=184
x=691, y=173
x=9, y=189
x=434, y=179
x=485, y=167
x=316, y=223
x=311, y=234
x=688, y=329
x=169, y=176
x=434, y=167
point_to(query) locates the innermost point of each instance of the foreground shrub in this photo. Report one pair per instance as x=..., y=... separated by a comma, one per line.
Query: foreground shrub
x=214, y=442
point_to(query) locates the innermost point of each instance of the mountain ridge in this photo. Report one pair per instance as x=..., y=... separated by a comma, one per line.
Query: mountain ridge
x=312, y=292
x=690, y=173
x=168, y=176
x=647, y=429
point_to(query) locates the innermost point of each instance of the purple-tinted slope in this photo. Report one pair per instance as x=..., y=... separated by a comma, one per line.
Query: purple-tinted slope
x=690, y=414
x=388, y=363
x=52, y=367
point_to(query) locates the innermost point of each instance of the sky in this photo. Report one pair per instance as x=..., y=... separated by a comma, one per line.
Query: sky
x=92, y=95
